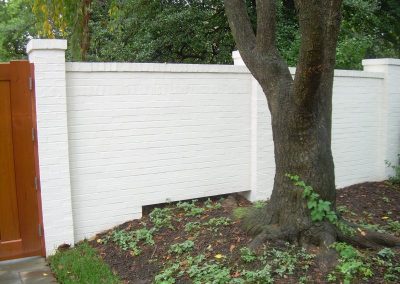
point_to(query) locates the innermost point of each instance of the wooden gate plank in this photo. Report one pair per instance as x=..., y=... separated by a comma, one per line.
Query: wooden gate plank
x=9, y=229
x=24, y=156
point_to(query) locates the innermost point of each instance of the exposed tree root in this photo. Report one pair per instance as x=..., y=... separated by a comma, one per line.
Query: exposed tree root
x=321, y=234
x=368, y=239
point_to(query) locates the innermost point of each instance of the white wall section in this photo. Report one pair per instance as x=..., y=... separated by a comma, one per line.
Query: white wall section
x=114, y=137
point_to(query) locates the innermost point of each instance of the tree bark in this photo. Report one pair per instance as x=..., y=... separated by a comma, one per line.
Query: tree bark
x=301, y=110
x=85, y=35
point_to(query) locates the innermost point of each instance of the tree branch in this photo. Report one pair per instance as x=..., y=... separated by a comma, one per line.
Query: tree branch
x=319, y=26
x=259, y=53
x=266, y=24
x=240, y=24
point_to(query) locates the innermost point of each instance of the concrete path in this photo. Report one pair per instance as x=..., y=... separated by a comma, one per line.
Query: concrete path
x=31, y=270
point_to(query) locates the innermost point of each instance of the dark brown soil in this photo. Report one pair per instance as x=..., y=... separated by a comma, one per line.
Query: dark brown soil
x=376, y=203
x=371, y=203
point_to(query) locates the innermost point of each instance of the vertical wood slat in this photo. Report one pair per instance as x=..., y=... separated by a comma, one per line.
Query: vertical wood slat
x=9, y=228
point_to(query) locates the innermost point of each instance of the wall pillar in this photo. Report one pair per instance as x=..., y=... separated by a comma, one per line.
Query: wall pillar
x=389, y=109
x=48, y=56
x=251, y=195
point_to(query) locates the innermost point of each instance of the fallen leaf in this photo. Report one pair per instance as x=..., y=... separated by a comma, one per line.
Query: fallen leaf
x=385, y=217
x=232, y=247
x=218, y=256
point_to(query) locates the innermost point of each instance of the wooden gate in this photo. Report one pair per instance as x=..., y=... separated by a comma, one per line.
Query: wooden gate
x=21, y=232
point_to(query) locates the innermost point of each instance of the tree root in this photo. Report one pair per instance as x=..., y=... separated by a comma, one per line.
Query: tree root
x=259, y=223
x=322, y=235
x=364, y=238
x=271, y=232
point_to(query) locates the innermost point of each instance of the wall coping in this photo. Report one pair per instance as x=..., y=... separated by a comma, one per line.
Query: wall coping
x=381, y=61
x=46, y=44
x=188, y=68
x=152, y=67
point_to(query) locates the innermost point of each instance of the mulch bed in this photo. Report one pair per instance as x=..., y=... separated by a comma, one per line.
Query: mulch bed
x=371, y=203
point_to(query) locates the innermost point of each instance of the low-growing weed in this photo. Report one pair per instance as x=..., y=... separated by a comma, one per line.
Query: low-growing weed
x=262, y=275
x=145, y=235
x=386, y=253
x=125, y=240
x=393, y=226
x=209, y=204
x=209, y=273
x=395, y=179
x=284, y=262
x=215, y=223
x=167, y=275
x=161, y=217
x=191, y=226
x=190, y=208
x=128, y=240
x=181, y=248
x=392, y=274
x=351, y=263
x=259, y=204
x=247, y=255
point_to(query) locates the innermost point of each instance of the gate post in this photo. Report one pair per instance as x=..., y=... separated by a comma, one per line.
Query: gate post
x=48, y=56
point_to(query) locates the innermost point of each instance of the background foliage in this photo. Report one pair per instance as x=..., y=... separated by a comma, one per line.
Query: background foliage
x=183, y=31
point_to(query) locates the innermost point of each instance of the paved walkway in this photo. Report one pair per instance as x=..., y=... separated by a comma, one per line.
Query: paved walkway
x=31, y=270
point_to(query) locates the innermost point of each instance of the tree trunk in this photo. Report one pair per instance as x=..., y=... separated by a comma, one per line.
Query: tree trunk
x=302, y=147
x=300, y=109
x=301, y=113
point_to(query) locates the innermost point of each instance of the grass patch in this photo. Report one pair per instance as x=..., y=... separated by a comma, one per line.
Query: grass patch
x=81, y=264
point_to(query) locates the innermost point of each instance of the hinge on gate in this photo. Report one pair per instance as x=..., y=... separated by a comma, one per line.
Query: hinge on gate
x=36, y=183
x=30, y=83
x=33, y=134
x=40, y=230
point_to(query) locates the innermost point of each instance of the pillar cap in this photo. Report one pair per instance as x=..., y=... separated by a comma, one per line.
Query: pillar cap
x=381, y=61
x=237, y=59
x=46, y=44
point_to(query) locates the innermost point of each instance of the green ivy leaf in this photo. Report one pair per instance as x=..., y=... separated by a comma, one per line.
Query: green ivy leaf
x=316, y=216
x=324, y=205
x=311, y=204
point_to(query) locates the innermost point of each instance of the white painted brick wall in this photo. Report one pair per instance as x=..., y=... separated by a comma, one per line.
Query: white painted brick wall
x=147, y=135
x=114, y=137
